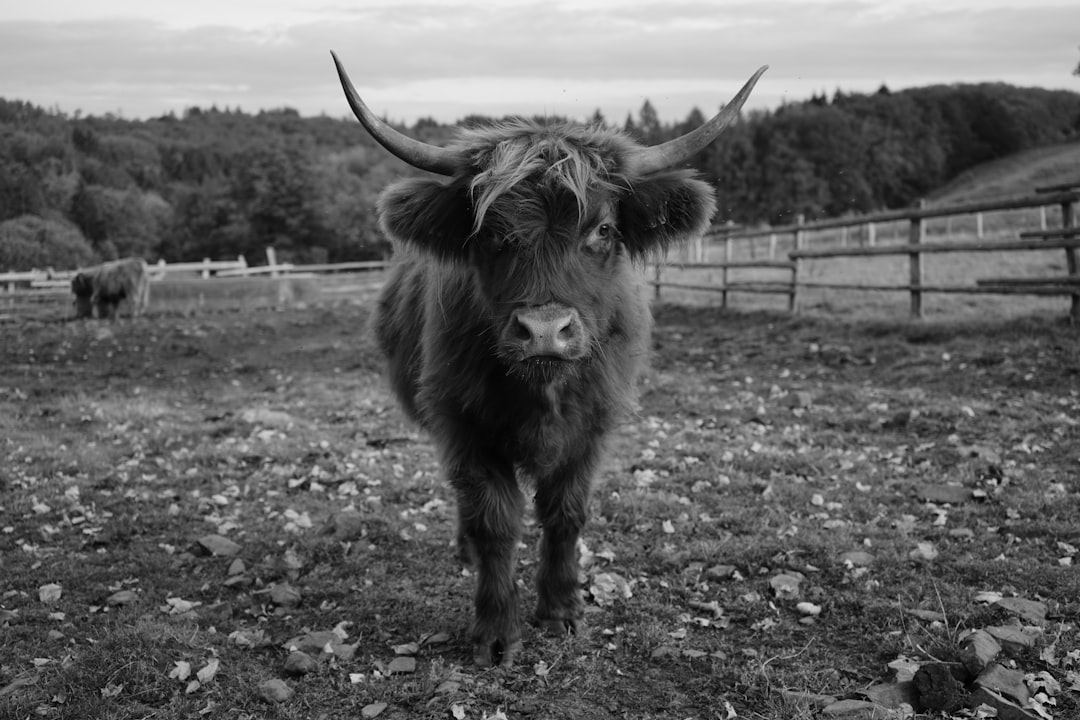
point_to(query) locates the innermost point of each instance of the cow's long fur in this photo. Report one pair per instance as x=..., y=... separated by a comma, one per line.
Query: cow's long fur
x=539, y=216
x=105, y=286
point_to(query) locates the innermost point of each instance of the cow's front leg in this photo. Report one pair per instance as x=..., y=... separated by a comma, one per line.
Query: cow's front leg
x=490, y=506
x=561, y=508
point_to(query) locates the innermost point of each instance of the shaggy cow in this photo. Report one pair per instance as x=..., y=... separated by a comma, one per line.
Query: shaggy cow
x=515, y=326
x=105, y=286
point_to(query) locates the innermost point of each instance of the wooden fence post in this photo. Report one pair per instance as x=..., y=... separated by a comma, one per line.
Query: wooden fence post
x=772, y=246
x=271, y=260
x=915, y=237
x=979, y=225
x=656, y=286
x=206, y=268
x=1068, y=220
x=724, y=271
x=793, y=301
x=870, y=233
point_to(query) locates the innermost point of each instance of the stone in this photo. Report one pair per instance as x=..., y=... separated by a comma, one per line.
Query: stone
x=1006, y=709
x=219, y=545
x=1030, y=610
x=299, y=663
x=1004, y=682
x=978, y=650
x=275, y=691
x=1013, y=639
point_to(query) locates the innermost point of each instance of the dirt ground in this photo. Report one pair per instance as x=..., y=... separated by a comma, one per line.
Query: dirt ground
x=798, y=503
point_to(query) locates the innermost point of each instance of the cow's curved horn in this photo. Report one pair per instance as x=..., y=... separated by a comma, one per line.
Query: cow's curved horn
x=418, y=154
x=675, y=152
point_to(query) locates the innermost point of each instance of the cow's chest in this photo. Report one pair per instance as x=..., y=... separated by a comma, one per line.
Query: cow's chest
x=558, y=427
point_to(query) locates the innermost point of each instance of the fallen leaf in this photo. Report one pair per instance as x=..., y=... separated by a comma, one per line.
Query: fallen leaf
x=606, y=588
x=924, y=552
x=219, y=545
x=372, y=710
x=250, y=638
x=122, y=597
x=49, y=593
x=208, y=671
x=786, y=585
x=181, y=671
x=179, y=606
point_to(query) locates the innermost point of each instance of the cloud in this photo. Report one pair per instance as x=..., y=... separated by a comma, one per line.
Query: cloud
x=448, y=60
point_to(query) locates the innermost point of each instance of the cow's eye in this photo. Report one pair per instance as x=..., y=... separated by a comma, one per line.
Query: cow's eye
x=602, y=238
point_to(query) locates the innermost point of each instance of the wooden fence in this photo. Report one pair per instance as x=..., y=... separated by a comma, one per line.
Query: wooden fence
x=787, y=282
x=1066, y=237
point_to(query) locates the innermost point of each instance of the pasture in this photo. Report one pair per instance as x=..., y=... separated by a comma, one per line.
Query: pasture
x=801, y=508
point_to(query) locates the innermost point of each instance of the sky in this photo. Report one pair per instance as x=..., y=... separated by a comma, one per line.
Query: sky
x=449, y=59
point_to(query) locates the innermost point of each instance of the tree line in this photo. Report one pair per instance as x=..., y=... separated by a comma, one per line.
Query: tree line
x=219, y=183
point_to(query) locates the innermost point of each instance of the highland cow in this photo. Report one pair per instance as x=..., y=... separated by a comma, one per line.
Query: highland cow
x=105, y=286
x=515, y=326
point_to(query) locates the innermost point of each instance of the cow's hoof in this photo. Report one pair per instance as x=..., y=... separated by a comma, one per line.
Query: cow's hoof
x=560, y=627
x=496, y=653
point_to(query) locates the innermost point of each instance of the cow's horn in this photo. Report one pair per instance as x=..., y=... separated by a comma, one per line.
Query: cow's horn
x=418, y=154
x=677, y=151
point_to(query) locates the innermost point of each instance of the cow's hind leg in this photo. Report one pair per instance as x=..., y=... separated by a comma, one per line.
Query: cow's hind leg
x=561, y=508
x=490, y=506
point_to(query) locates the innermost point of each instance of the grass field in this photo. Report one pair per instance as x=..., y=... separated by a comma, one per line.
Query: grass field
x=184, y=497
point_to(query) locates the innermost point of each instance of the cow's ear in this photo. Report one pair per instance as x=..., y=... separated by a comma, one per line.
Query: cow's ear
x=663, y=209
x=428, y=214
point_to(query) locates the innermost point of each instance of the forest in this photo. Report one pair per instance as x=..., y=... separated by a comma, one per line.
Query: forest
x=219, y=183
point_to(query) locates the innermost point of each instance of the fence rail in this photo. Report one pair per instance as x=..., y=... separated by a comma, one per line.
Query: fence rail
x=1066, y=237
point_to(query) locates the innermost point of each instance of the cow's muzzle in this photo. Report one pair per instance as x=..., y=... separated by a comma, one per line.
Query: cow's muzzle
x=545, y=331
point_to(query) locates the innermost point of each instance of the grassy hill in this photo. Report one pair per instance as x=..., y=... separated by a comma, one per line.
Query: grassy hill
x=1014, y=175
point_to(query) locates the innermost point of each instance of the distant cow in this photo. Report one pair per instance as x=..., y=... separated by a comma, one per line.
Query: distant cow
x=105, y=286
x=515, y=325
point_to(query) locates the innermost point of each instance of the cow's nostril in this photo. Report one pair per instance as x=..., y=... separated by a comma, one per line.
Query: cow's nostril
x=567, y=330
x=521, y=330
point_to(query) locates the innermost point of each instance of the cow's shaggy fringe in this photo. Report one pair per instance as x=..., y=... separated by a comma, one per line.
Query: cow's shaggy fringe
x=578, y=159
